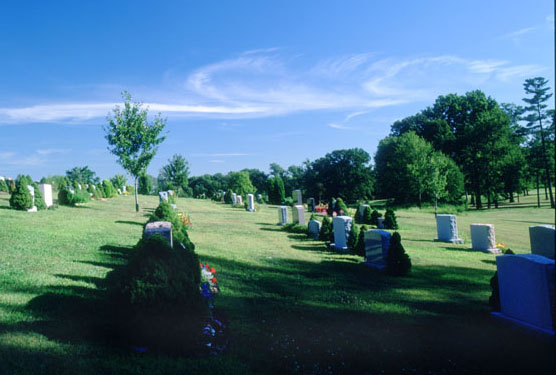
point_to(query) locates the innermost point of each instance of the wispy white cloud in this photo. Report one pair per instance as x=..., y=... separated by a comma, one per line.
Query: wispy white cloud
x=216, y=161
x=264, y=83
x=339, y=126
x=49, y=151
x=6, y=155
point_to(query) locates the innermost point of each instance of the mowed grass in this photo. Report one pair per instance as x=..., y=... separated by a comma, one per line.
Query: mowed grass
x=290, y=304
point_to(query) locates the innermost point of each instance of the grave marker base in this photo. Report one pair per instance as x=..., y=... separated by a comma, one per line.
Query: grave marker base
x=521, y=323
x=453, y=240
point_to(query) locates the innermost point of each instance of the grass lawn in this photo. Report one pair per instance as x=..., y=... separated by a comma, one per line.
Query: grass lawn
x=292, y=306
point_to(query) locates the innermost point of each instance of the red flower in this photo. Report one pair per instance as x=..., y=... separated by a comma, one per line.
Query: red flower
x=212, y=270
x=201, y=265
x=213, y=280
x=206, y=266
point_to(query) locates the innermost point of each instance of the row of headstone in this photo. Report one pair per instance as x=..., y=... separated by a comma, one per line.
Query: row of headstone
x=482, y=235
x=526, y=282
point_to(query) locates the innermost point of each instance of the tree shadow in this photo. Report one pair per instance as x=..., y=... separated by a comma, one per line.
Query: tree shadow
x=488, y=261
x=462, y=249
x=129, y=222
x=271, y=229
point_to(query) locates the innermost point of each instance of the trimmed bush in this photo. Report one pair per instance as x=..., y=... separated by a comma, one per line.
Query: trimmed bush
x=11, y=186
x=373, y=219
x=341, y=206
x=360, y=248
x=67, y=198
x=4, y=186
x=390, y=221
x=398, y=262
x=228, y=197
x=353, y=238
x=39, y=199
x=156, y=300
x=21, y=198
x=325, y=229
x=109, y=191
x=165, y=212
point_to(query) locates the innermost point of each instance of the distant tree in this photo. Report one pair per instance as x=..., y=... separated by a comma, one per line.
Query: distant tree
x=145, y=184
x=3, y=186
x=119, y=181
x=82, y=175
x=276, y=191
x=133, y=139
x=240, y=183
x=21, y=198
x=206, y=184
x=276, y=170
x=175, y=175
x=259, y=179
x=536, y=114
x=342, y=173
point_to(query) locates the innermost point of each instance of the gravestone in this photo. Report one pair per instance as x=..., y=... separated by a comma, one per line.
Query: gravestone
x=342, y=228
x=297, y=196
x=239, y=200
x=234, y=199
x=163, y=196
x=171, y=192
x=93, y=186
x=174, y=206
x=46, y=191
x=283, y=215
x=250, y=203
x=259, y=197
x=311, y=204
x=79, y=186
x=298, y=215
x=542, y=240
x=119, y=192
x=377, y=243
x=447, y=229
x=526, y=284
x=70, y=189
x=164, y=228
x=361, y=211
x=123, y=189
x=314, y=229
x=32, y=192
x=380, y=223
x=483, y=239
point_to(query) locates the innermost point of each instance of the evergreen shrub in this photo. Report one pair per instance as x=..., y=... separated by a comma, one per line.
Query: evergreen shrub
x=228, y=197
x=108, y=189
x=155, y=298
x=390, y=221
x=21, y=198
x=165, y=212
x=39, y=199
x=398, y=262
x=360, y=248
x=373, y=219
x=67, y=198
x=11, y=186
x=325, y=229
x=341, y=206
x=353, y=238
x=4, y=186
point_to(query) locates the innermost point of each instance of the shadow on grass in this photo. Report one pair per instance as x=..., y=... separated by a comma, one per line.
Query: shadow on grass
x=129, y=222
x=462, y=249
x=488, y=261
x=320, y=247
x=271, y=229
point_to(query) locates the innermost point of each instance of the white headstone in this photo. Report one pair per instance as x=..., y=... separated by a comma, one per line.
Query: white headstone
x=283, y=215
x=119, y=192
x=377, y=243
x=483, y=239
x=123, y=189
x=447, y=229
x=234, y=199
x=526, y=283
x=163, y=196
x=542, y=240
x=297, y=195
x=342, y=228
x=46, y=191
x=174, y=206
x=79, y=186
x=298, y=215
x=239, y=200
x=314, y=229
x=250, y=202
x=164, y=228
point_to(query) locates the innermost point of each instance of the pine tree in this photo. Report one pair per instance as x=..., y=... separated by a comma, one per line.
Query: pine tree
x=390, y=221
x=360, y=249
x=398, y=262
x=353, y=238
x=21, y=198
x=325, y=229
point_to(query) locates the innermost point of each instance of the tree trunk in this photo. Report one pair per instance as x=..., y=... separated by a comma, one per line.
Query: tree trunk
x=419, y=199
x=478, y=203
x=517, y=196
x=545, y=190
x=512, y=197
x=136, y=197
x=546, y=169
x=538, y=192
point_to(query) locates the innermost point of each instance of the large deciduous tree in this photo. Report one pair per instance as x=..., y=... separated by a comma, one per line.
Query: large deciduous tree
x=537, y=113
x=175, y=175
x=132, y=138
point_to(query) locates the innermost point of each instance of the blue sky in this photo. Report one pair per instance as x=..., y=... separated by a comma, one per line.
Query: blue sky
x=247, y=83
